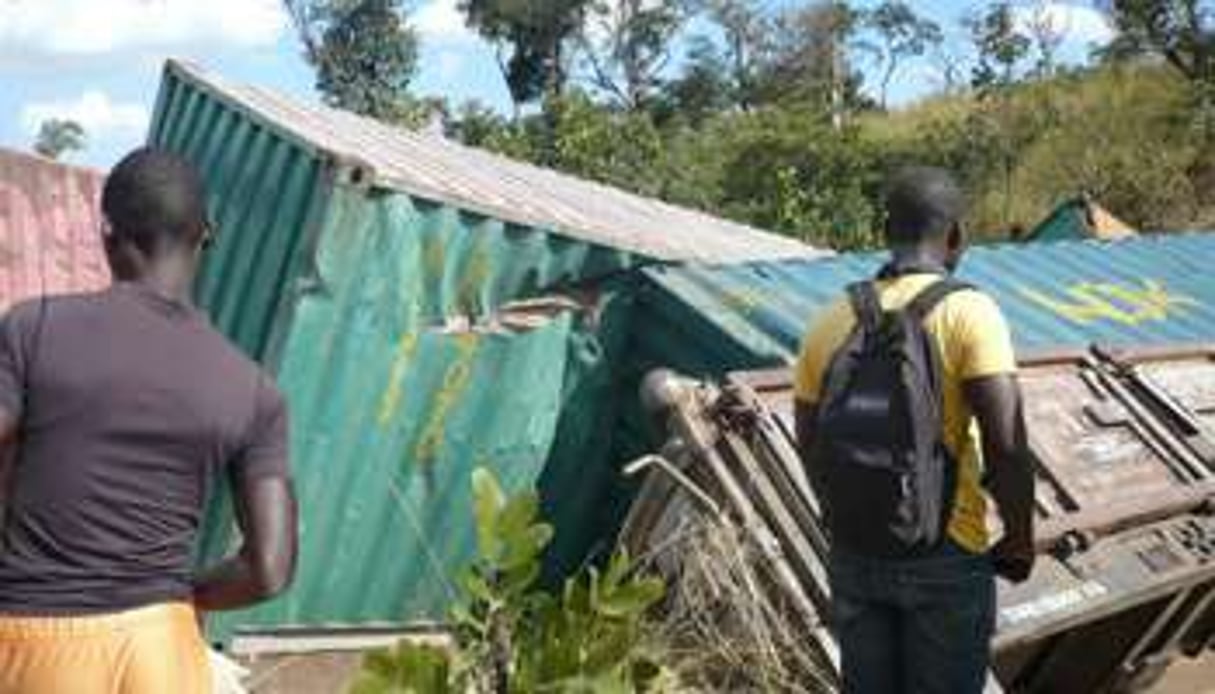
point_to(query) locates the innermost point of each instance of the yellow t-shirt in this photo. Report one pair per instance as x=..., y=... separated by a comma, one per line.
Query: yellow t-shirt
x=974, y=342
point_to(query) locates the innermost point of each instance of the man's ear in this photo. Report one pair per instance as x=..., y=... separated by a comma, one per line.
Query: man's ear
x=956, y=239
x=126, y=261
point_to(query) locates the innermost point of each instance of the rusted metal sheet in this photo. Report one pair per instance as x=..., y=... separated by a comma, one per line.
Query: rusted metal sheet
x=1125, y=579
x=1105, y=461
x=50, y=225
x=431, y=167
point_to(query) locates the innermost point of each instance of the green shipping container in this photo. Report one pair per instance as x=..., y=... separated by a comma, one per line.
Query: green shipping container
x=373, y=271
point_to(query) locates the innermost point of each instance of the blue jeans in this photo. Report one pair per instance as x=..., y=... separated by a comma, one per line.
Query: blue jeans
x=915, y=626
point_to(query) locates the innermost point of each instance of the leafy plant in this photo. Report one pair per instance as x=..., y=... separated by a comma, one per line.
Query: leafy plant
x=511, y=636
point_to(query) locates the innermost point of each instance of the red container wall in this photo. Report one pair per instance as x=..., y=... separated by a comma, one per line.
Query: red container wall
x=50, y=223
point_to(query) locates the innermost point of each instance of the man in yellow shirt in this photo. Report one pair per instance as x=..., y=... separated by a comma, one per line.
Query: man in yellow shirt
x=922, y=621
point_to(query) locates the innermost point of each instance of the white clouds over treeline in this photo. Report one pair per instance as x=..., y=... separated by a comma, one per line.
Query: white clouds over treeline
x=94, y=110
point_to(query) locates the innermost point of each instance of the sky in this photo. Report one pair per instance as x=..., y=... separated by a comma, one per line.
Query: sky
x=99, y=61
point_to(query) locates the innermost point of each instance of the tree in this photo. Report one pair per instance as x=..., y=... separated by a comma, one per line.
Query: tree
x=805, y=59
x=745, y=29
x=536, y=34
x=364, y=52
x=58, y=136
x=901, y=33
x=1001, y=47
x=703, y=89
x=1047, y=32
x=1180, y=31
x=627, y=44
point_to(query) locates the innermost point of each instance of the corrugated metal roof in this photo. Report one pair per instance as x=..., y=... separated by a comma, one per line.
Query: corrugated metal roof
x=705, y=321
x=50, y=222
x=432, y=167
x=1145, y=291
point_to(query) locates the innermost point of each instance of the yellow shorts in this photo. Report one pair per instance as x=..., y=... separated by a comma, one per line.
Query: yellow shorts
x=149, y=650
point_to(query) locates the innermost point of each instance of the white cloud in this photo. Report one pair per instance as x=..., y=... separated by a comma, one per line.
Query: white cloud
x=36, y=28
x=1073, y=23
x=442, y=22
x=94, y=110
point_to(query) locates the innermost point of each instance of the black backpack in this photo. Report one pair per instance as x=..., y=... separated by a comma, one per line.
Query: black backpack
x=880, y=461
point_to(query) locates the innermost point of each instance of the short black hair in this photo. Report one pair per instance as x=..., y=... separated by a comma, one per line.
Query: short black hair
x=922, y=203
x=155, y=199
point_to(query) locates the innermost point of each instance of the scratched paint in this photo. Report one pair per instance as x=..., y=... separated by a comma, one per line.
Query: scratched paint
x=391, y=402
x=455, y=382
x=1087, y=302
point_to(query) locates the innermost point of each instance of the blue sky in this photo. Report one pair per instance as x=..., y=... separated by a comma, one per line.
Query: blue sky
x=99, y=61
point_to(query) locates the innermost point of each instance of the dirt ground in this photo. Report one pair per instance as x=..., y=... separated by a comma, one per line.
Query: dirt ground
x=333, y=672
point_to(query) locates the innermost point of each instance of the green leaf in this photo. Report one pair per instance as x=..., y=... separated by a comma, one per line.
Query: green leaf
x=632, y=600
x=609, y=650
x=519, y=513
x=518, y=580
x=478, y=588
x=462, y=616
x=487, y=505
x=527, y=546
x=618, y=568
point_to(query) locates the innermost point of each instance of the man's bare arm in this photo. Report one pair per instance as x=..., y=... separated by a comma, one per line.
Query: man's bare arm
x=996, y=403
x=805, y=418
x=8, y=454
x=265, y=564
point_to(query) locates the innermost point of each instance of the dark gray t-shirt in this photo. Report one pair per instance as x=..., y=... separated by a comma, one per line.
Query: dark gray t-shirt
x=131, y=406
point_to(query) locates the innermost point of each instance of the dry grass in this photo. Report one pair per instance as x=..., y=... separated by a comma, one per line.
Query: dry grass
x=725, y=625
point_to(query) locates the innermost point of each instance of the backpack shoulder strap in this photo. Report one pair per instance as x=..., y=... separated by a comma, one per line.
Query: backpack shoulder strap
x=923, y=303
x=865, y=304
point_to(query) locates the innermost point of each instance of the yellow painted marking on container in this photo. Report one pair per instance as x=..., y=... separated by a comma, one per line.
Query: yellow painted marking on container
x=455, y=382
x=1087, y=302
x=390, y=402
x=433, y=256
x=742, y=300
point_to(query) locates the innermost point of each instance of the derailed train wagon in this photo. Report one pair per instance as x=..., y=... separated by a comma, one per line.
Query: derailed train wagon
x=1125, y=581
x=1123, y=439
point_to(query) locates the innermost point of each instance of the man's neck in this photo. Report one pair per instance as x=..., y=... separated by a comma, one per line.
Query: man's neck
x=918, y=257
x=168, y=281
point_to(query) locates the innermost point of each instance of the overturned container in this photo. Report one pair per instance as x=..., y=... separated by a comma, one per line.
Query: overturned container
x=1124, y=582
x=427, y=308
x=1124, y=453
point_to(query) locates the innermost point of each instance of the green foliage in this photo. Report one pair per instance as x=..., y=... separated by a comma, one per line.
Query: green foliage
x=513, y=637
x=791, y=172
x=1001, y=47
x=58, y=136
x=405, y=669
x=1125, y=135
x=1180, y=31
x=626, y=43
x=619, y=148
x=364, y=53
x=751, y=125
x=703, y=90
x=535, y=32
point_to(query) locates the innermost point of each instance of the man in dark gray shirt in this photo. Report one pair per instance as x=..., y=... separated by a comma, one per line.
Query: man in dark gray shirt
x=119, y=412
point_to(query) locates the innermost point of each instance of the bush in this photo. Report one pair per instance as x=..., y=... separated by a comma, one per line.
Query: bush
x=513, y=637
